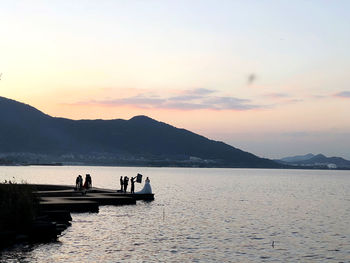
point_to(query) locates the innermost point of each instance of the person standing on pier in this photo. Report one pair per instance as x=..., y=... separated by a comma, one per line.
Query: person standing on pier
x=88, y=181
x=77, y=183
x=126, y=181
x=132, y=181
x=80, y=183
x=121, y=184
x=147, y=189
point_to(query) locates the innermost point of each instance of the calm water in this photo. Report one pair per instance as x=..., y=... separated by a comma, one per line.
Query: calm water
x=202, y=215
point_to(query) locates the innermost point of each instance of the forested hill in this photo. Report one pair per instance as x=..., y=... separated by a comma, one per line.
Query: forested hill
x=29, y=135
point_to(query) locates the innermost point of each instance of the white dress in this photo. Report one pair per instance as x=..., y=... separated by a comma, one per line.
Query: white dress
x=147, y=189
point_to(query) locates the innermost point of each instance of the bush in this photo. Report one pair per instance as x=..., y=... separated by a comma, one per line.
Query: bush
x=18, y=206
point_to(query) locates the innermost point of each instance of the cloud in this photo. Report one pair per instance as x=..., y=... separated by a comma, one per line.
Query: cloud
x=185, y=98
x=282, y=98
x=277, y=95
x=140, y=101
x=200, y=91
x=196, y=99
x=318, y=96
x=293, y=101
x=192, y=94
x=343, y=94
x=231, y=103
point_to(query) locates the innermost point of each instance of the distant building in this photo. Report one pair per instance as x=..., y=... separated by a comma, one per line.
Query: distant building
x=195, y=159
x=332, y=166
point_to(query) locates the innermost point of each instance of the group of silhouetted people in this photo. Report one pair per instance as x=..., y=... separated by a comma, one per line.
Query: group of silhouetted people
x=124, y=182
x=79, y=185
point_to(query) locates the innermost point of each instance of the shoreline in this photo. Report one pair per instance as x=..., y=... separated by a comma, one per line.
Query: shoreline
x=291, y=167
x=54, y=205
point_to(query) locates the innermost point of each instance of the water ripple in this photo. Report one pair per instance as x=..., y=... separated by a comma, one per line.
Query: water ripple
x=193, y=219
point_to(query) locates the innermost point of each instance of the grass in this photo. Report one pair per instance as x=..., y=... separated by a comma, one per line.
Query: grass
x=18, y=207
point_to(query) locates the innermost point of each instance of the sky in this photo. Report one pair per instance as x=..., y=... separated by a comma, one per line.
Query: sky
x=268, y=77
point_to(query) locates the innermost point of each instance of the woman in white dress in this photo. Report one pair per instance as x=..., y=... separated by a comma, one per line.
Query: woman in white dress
x=147, y=189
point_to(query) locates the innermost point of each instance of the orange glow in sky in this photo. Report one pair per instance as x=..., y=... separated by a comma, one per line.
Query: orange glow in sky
x=271, y=84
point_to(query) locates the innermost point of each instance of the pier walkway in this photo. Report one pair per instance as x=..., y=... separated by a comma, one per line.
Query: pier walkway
x=59, y=197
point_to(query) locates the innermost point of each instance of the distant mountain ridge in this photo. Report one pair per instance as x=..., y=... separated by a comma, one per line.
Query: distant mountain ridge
x=319, y=160
x=29, y=135
x=297, y=158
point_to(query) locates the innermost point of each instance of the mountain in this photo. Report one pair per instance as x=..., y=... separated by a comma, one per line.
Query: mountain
x=317, y=161
x=28, y=135
x=297, y=158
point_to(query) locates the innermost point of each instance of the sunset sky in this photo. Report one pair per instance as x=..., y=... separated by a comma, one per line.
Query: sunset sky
x=268, y=77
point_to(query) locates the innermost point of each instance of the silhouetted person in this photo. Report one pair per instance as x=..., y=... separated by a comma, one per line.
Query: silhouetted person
x=77, y=183
x=147, y=189
x=126, y=181
x=80, y=183
x=88, y=181
x=132, y=181
x=121, y=183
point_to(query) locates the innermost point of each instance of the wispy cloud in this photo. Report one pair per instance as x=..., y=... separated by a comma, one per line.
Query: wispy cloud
x=200, y=91
x=142, y=101
x=282, y=98
x=318, y=96
x=277, y=95
x=294, y=100
x=195, y=99
x=231, y=103
x=343, y=94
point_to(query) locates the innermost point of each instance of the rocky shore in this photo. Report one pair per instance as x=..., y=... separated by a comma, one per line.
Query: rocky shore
x=22, y=218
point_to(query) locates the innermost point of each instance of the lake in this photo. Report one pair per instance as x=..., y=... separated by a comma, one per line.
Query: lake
x=202, y=215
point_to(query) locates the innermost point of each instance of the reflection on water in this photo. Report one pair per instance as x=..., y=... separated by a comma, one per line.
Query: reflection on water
x=211, y=215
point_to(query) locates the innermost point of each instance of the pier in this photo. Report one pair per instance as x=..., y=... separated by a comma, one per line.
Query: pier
x=59, y=197
x=55, y=205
